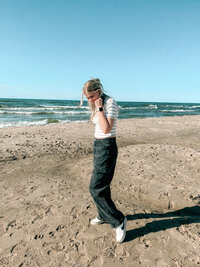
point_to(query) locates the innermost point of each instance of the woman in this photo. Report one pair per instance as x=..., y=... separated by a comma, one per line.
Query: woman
x=104, y=116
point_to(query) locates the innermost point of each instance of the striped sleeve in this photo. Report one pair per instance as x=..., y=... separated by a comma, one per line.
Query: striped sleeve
x=111, y=109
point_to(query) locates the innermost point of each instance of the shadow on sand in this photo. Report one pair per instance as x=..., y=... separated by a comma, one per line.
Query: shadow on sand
x=186, y=215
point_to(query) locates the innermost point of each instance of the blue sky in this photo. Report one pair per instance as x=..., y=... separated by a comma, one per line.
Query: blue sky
x=142, y=50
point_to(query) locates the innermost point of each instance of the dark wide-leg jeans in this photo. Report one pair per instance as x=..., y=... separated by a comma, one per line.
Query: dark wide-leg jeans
x=105, y=157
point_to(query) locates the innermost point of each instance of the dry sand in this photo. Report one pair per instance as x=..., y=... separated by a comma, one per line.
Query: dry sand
x=46, y=206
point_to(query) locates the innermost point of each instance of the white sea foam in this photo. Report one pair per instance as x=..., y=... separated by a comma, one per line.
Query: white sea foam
x=38, y=113
x=146, y=107
x=71, y=112
x=176, y=110
x=194, y=107
x=28, y=123
x=22, y=123
x=173, y=106
x=120, y=107
x=153, y=106
x=46, y=108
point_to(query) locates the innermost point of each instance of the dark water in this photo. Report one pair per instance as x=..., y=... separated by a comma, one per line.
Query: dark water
x=21, y=112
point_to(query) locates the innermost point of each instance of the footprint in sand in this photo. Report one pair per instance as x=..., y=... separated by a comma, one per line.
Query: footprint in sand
x=195, y=199
x=58, y=247
x=38, y=237
x=51, y=234
x=145, y=242
x=11, y=225
x=16, y=249
x=60, y=227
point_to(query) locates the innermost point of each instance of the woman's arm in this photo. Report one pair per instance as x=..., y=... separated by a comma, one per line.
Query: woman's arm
x=106, y=124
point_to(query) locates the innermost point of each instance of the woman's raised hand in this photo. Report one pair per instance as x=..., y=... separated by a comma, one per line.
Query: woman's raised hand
x=99, y=103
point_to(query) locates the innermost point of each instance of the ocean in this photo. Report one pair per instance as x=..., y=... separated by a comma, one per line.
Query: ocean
x=27, y=112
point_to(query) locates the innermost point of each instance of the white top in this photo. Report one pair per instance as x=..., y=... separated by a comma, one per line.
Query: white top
x=111, y=111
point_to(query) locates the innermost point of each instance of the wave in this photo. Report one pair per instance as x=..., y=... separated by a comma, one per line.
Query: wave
x=194, y=107
x=147, y=107
x=35, y=123
x=45, y=108
x=22, y=123
x=28, y=123
x=181, y=106
x=120, y=107
x=176, y=110
x=173, y=106
x=44, y=113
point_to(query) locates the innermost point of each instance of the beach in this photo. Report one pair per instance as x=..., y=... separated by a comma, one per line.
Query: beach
x=46, y=206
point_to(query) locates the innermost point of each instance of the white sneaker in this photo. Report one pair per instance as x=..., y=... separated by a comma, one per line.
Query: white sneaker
x=121, y=231
x=96, y=221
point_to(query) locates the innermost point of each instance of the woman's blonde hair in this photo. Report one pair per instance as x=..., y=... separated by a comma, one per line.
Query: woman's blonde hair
x=90, y=87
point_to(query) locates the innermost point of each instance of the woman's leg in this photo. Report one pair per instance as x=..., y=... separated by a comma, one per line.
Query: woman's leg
x=105, y=156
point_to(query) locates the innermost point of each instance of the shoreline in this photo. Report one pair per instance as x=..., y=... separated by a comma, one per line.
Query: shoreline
x=58, y=121
x=46, y=207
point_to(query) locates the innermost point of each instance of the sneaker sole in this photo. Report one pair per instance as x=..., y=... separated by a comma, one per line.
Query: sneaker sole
x=99, y=223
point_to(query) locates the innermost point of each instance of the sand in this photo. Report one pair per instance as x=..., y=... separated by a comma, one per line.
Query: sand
x=46, y=207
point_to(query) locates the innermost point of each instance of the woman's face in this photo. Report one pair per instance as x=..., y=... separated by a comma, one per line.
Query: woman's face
x=92, y=97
